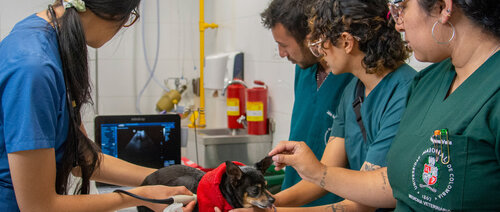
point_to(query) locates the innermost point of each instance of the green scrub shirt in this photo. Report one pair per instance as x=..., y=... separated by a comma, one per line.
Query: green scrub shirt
x=312, y=117
x=471, y=180
x=381, y=112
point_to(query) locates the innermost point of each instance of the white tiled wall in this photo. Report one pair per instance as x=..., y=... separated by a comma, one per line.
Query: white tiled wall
x=121, y=68
x=241, y=29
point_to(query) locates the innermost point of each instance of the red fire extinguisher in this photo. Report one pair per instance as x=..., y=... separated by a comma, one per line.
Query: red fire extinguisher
x=235, y=103
x=257, y=109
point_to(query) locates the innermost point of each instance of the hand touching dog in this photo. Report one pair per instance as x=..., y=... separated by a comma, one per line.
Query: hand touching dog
x=299, y=156
x=162, y=192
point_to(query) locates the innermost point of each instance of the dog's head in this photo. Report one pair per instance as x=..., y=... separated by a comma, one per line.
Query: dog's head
x=248, y=184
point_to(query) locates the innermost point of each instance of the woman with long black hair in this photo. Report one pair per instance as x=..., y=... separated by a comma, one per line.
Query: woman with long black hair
x=44, y=82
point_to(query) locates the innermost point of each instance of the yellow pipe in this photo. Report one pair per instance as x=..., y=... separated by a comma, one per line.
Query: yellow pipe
x=203, y=26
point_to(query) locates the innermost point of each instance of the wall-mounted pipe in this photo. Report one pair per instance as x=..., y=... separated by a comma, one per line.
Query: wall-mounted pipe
x=203, y=26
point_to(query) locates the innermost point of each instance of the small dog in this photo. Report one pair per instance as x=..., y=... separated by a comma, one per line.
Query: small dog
x=240, y=186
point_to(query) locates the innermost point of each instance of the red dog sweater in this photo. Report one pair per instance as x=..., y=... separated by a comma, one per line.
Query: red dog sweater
x=208, y=192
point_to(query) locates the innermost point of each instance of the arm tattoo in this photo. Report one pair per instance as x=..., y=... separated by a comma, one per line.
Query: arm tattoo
x=384, y=176
x=369, y=167
x=322, y=183
x=336, y=207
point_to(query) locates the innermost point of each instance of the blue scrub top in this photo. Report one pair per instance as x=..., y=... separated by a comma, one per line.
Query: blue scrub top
x=381, y=112
x=312, y=117
x=33, y=112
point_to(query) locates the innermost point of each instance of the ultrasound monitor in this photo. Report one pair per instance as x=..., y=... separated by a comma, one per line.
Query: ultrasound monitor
x=147, y=140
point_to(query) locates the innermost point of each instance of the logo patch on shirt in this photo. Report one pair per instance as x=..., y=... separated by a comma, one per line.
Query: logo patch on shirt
x=432, y=180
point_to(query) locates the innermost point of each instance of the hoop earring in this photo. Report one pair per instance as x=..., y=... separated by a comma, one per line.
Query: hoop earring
x=441, y=42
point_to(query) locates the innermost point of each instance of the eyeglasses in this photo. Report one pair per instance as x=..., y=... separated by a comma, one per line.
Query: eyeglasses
x=132, y=18
x=315, y=48
x=396, y=9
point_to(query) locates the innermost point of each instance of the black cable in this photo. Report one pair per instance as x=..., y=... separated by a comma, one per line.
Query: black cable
x=158, y=201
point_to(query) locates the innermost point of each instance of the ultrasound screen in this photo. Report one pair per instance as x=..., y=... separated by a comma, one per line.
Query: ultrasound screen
x=153, y=145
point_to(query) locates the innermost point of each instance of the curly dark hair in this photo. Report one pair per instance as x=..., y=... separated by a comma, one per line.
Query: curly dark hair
x=485, y=13
x=292, y=14
x=382, y=44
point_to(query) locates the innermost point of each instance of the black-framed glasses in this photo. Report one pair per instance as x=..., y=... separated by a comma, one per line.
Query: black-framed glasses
x=396, y=9
x=132, y=18
x=315, y=48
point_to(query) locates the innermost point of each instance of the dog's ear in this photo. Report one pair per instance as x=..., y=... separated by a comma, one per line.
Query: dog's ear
x=264, y=164
x=233, y=171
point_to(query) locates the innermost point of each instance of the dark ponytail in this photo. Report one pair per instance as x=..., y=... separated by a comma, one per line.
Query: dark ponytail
x=79, y=149
x=367, y=20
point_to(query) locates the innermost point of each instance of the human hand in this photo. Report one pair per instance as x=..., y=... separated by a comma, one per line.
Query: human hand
x=298, y=155
x=163, y=192
x=254, y=209
x=189, y=207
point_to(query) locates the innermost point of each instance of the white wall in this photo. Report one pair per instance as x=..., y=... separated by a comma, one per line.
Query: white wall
x=121, y=65
x=13, y=11
x=241, y=29
x=122, y=70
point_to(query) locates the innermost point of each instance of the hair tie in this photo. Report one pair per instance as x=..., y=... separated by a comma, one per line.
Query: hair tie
x=388, y=15
x=79, y=5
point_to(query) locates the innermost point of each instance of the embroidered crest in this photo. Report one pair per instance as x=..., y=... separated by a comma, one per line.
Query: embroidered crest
x=430, y=174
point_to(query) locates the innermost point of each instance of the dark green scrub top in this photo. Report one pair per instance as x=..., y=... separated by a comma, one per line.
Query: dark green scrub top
x=381, y=112
x=471, y=181
x=312, y=117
